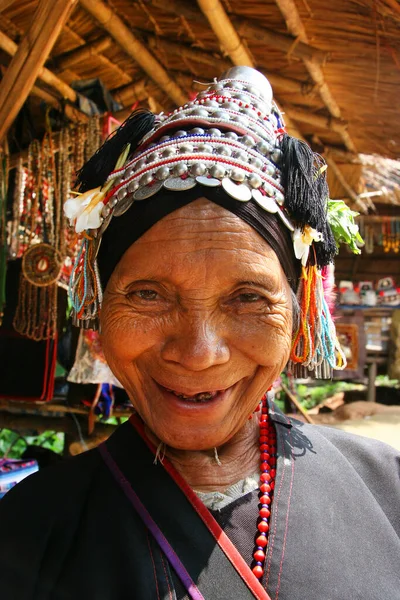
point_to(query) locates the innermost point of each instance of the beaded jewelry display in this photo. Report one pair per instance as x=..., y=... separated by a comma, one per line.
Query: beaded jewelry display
x=232, y=136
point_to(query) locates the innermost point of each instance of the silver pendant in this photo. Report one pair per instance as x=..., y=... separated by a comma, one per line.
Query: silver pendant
x=147, y=191
x=123, y=206
x=266, y=202
x=176, y=184
x=208, y=181
x=285, y=220
x=239, y=191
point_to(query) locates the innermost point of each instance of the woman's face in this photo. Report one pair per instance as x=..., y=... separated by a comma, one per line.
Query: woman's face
x=198, y=305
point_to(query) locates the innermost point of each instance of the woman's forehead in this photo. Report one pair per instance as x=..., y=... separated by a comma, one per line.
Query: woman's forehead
x=202, y=216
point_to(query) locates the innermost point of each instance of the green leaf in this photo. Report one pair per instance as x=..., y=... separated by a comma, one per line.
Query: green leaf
x=344, y=228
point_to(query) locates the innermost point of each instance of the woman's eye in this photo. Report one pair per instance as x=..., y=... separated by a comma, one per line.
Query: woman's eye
x=146, y=294
x=249, y=297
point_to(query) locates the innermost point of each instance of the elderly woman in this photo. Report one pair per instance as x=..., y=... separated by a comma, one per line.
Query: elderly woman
x=214, y=229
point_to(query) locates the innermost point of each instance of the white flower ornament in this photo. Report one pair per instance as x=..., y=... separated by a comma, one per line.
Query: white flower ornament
x=302, y=240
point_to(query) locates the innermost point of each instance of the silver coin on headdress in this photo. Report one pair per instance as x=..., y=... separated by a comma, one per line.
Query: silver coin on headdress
x=237, y=191
x=123, y=206
x=176, y=184
x=208, y=181
x=285, y=220
x=148, y=190
x=266, y=202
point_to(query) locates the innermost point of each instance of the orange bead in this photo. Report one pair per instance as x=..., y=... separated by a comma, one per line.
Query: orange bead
x=264, y=512
x=265, y=477
x=265, y=488
x=265, y=500
x=261, y=541
x=258, y=571
x=259, y=555
x=263, y=527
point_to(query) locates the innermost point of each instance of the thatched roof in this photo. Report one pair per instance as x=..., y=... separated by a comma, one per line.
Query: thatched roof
x=334, y=66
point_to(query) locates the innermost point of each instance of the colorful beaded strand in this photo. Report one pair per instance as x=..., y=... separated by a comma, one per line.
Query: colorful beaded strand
x=267, y=484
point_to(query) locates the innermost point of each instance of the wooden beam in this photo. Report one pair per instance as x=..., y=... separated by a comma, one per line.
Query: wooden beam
x=349, y=190
x=117, y=29
x=288, y=44
x=82, y=53
x=247, y=29
x=295, y=26
x=11, y=48
x=30, y=57
x=230, y=41
x=4, y=4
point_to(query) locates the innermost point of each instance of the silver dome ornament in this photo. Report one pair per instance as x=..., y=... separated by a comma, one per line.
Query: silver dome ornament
x=151, y=157
x=162, y=173
x=256, y=162
x=231, y=135
x=248, y=141
x=198, y=169
x=224, y=150
x=197, y=131
x=105, y=211
x=255, y=180
x=121, y=194
x=140, y=164
x=237, y=191
x=270, y=169
x=241, y=155
x=147, y=191
x=211, y=103
x=218, y=171
x=199, y=112
x=208, y=181
x=164, y=138
x=276, y=155
x=230, y=106
x=221, y=114
x=215, y=132
x=177, y=184
x=186, y=147
x=133, y=186
x=238, y=174
x=180, y=169
x=255, y=80
x=113, y=201
x=180, y=133
x=266, y=202
x=123, y=206
x=205, y=148
x=167, y=152
x=241, y=119
x=263, y=147
x=146, y=179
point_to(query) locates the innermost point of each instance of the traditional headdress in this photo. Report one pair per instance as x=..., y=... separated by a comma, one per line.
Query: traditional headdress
x=230, y=141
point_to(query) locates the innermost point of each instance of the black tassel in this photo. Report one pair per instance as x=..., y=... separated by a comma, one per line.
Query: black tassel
x=101, y=164
x=307, y=193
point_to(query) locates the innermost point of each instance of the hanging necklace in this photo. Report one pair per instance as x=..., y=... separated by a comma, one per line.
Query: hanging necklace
x=267, y=484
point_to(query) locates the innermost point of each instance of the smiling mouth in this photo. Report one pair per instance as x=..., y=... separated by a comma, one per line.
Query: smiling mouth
x=200, y=397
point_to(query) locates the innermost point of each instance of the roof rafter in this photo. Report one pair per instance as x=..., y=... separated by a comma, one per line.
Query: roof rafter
x=231, y=42
x=295, y=26
x=116, y=28
x=30, y=57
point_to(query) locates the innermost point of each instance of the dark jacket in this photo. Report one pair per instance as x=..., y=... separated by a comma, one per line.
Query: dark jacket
x=69, y=533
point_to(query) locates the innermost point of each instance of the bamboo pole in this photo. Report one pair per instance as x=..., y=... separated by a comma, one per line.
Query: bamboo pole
x=82, y=53
x=247, y=29
x=297, y=404
x=117, y=29
x=253, y=31
x=340, y=177
x=295, y=26
x=277, y=81
x=230, y=41
x=30, y=57
x=225, y=32
x=10, y=47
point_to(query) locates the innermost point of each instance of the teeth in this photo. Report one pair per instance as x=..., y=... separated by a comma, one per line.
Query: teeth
x=200, y=397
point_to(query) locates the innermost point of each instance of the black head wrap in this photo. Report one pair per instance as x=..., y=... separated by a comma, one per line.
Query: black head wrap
x=125, y=230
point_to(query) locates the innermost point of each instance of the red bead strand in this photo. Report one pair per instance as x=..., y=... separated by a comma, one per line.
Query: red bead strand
x=267, y=484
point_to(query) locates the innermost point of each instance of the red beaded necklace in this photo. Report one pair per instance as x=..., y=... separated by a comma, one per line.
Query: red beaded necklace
x=267, y=484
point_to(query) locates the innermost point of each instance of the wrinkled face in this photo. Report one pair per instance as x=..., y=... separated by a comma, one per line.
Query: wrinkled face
x=196, y=325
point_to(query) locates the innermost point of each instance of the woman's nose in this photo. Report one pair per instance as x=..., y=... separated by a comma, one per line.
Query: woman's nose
x=196, y=346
